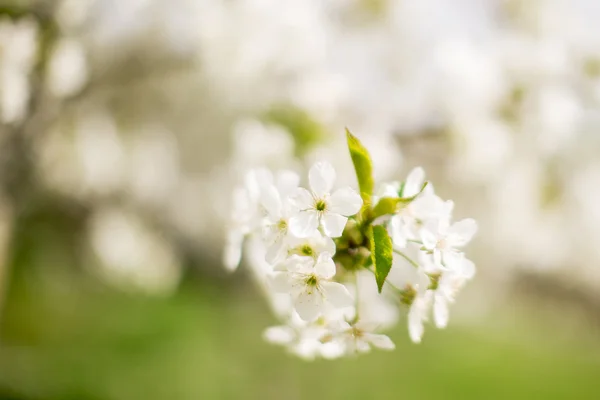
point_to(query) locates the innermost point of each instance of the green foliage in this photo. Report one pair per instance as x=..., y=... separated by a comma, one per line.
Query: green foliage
x=391, y=205
x=381, y=253
x=307, y=132
x=362, y=165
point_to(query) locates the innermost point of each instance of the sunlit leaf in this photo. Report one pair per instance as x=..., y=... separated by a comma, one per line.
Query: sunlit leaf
x=381, y=253
x=391, y=205
x=362, y=165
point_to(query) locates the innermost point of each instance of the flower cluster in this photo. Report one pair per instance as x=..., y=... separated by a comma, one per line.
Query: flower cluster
x=337, y=264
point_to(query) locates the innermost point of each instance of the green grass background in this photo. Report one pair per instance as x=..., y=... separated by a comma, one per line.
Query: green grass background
x=72, y=339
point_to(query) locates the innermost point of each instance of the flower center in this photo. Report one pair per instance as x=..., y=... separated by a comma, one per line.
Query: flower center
x=321, y=205
x=282, y=225
x=434, y=281
x=407, y=296
x=306, y=250
x=356, y=333
x=311, y=281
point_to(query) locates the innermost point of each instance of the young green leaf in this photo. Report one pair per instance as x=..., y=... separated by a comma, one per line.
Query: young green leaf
x=391, y=205
x=381, y=253
x=362, y=165
x=388, y=205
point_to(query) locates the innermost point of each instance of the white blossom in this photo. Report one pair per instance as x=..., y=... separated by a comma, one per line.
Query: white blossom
x=67, y=69
x=292, y=249
x=405, y=224
x=444, y=240
x=275, y=200
x=448, y=286
x=360, y=337
x=310, y=285
x=320, y=207
x=306, y=340
x=419, y=313
x=311, y=246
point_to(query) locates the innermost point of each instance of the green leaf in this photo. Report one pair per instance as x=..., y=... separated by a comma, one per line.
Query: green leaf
x=381, y=253
x=362, y=165
x=391, y=205
x=388, y=205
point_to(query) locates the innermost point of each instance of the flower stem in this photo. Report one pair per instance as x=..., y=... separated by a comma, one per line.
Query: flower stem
x=407, y=258
x=396, y=288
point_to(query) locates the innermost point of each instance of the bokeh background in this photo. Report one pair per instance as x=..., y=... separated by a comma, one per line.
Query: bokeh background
x=124, y=124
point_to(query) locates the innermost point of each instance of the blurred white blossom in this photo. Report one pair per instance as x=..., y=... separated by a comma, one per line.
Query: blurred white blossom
x=18, y=48
x=132, y=256
x=67, y=70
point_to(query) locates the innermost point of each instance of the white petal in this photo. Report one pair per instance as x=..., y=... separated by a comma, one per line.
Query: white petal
x=337, y=294
x=300, y=264
x=331, y=350
x=329, y=245
x=263, y=177
x=427, y=207
x=345, y=201
x=304, y=224
x=428, y=238
x=468, y=269
x=414, y=182
x=280, y=267
x=333, y=224
x=426, y=262
x=437, y=258
x=362, y=346
x=321, y=178
x=415, y=325
x=279, y=334
x=380, y=341
x=280, y=282
x=418, y=314
x=287, y=182
x=366, y=326
x=302, y=199
x=397, y=231
x=305, y=349
x=440, y=311
x=325, y=267
x=461, y=232
x=233, y=250
x=448, y=207
x=275, y=252
x=387, y=190
x=453, y=260
x=270, y=200
x=308, y=305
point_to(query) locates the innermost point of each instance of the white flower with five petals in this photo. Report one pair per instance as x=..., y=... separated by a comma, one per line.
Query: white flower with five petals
x=360, y=337
x=307, y=340
x=404, y=226
x=443, y=240
x=310, y=285
x=320, y=207
x=311, y=246
x=275, y=200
